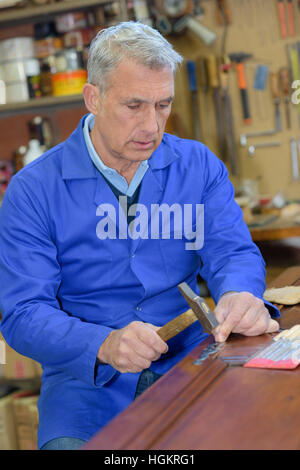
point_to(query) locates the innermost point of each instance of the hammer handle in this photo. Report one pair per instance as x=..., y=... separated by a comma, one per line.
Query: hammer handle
x=243, y=91
x=178, y=324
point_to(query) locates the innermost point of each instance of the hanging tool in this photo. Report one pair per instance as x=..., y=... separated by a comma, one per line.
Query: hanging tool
x=291, y=17
x=214, y=83
x=231, y=150
x=244, y=137
x=285, y=90
x=276, y=99
x=199, y=311
x=223, y=13
x=223, y=16
x=202, y=73
x=239, y=59
x=252, y=148
x=191, y=69
x=259, y=85
x=282, y=23
x=294, y=155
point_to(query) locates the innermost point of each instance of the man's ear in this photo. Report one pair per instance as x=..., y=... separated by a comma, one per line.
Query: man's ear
x=91, y=96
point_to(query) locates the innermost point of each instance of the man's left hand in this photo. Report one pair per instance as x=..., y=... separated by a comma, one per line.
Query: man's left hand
x=242, y=312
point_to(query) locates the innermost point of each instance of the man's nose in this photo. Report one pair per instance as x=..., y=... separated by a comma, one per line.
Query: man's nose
x=150, y=124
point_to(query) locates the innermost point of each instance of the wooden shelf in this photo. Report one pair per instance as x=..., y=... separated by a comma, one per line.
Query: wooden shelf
x=41, y=12
x=39, y=103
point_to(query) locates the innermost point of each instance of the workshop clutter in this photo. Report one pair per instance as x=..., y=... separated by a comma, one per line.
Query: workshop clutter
x=53, y=61
x=18, y=420
x=19, y=392
x=29, y=65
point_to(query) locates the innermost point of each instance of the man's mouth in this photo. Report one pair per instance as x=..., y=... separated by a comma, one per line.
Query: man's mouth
x=143, y=145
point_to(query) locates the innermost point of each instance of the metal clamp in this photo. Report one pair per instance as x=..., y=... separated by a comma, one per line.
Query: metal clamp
x=244, y=137
x=252, y=148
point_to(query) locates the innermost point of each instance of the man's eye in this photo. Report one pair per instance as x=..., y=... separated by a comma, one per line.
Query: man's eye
x=163, y=106
x=133, y=106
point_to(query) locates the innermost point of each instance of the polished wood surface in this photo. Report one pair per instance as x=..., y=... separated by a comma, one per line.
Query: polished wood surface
x=277, y=230
x=213, y=405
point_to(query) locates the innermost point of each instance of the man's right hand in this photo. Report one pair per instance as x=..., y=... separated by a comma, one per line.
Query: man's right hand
x=132, y=348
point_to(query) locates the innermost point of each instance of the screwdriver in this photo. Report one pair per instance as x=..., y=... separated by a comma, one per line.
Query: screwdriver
x=285, y=90
x=276, y=99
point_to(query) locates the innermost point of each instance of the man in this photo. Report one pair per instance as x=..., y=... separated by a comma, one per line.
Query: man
x=83, y=295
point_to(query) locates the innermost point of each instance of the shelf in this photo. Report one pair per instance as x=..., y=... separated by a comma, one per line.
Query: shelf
x=41, y=12
x=39, y=103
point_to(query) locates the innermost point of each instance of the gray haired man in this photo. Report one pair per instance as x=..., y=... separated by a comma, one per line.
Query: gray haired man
x=88, y=307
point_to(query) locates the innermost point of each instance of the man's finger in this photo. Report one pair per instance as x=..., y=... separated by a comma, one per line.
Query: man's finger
x=222, y=331
x=273, y=326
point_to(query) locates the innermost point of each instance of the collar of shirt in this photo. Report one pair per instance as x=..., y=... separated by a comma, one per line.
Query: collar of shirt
x=109, y=173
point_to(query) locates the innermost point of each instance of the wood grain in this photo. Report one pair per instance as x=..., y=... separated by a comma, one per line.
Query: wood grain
x=178, y=324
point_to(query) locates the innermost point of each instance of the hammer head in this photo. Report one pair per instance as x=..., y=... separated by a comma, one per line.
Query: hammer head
x=239, y=56
x=199, y=307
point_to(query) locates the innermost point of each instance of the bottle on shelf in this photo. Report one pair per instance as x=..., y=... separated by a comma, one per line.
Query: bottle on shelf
x=35, y=149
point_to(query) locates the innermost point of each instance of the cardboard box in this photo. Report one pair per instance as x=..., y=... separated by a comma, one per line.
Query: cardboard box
x=8, y=432
x=26, y=419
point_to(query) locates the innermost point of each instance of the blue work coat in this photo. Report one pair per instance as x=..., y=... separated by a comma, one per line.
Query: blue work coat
x=64, y=289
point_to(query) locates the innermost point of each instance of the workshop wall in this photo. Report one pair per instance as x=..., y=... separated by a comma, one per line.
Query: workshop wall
x=255, y=30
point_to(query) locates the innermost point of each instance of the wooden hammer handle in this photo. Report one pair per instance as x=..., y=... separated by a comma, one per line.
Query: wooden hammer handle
x=178, y=324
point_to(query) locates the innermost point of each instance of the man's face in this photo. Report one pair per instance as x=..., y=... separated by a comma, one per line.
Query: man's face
x=130, y=121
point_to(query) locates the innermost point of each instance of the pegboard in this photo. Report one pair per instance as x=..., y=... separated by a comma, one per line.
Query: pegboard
x=254, y=29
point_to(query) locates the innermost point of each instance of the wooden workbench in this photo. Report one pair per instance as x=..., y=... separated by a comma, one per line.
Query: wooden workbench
x=277, y=230
x=213, y=405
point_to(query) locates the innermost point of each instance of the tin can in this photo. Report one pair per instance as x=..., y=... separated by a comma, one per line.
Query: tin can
x=69, y=59
x=69, y=83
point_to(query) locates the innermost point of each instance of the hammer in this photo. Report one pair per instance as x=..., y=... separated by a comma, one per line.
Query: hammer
x=239, y=58
x=199, y=311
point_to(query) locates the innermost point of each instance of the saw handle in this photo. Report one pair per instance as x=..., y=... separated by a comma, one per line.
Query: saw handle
x=285, y=81
x=275, y=85
x=178, y=324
